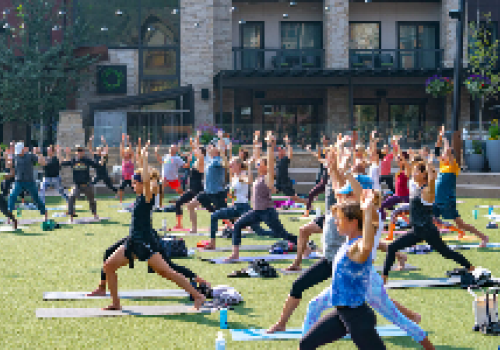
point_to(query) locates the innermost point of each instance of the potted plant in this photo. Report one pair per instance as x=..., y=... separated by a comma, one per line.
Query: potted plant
x=475, y=157
x=438, y=86
x=493, y=147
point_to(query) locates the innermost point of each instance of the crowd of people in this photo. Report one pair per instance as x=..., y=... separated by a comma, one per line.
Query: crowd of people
x=351, y=176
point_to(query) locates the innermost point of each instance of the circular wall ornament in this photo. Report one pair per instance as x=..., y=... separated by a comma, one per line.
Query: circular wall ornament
x=107, y=74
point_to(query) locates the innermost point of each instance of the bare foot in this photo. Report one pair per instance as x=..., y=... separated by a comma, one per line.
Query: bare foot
x=112, y=307
x=99, y=292
x=209, y=247
x=96, y=217
x=401, y=262
x=276, y=328
x=199, y=301
x=306, y=214
x=231, y=258
x=484, y=242
x=193, y=230
x=417, y=318
x=293, y=267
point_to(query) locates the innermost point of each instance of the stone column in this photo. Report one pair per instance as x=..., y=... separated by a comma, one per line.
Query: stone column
x=337, y=109
x=197, y=54
x=70, y=133
x=449, y=33
x=336, y=33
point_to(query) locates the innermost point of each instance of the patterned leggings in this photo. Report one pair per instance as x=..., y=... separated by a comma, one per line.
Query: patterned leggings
x=377, y=298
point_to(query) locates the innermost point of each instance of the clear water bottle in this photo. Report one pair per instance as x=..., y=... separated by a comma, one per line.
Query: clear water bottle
x=19, y=211
x=223, y=318
x=220, y=342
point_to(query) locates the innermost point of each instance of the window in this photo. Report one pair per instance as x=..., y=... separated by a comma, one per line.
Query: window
x=419, y=36
x=159, y=62
x=364, y=36
x=405, y=117
x=301, y=35
x=160, y=27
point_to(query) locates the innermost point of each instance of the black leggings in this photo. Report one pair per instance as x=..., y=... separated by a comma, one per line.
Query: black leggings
x=359, y=322
x=4, y=208
x=124, y=184
x=389, y=181
x=318, y=189
x=417, y=234
x=177, y=268
x=6, y=185
x=107, y=181
x=317, y=273
x=186, y=197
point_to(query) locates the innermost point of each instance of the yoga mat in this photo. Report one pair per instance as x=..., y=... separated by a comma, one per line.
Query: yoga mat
x=59, y=215
x=131, y=294
x=487, y=206
x=271, y=257
x=83, y=221
x=464, y=238
x=126, y=311
x=291, y=211
x=473, y=245
x=432, y=282
x=396, y=232
x=124, y=211
x=260, y=334
x=260, y=248
x=30, y=221
x=10, y=228
x=408, y=267
x=201, y=234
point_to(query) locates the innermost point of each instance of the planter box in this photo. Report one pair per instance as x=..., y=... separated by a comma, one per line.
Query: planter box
x=475, y=162
x=493, y=155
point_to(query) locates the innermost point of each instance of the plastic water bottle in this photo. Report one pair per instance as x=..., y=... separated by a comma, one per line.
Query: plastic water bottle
x=220, y=342
x=475, y=214
x=490, y=210
x=164, y=225
x=318, y=212
x=19, y=211
x=223, y=318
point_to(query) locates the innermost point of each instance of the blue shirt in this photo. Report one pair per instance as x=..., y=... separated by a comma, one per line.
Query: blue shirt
x=350, y=280
x=446, y=187
x=214, y=175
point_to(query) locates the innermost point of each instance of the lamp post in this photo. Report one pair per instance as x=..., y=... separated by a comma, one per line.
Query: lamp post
x=459, y=15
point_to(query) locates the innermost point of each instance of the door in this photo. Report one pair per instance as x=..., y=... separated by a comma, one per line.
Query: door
x=252, y=39
x=419, y=36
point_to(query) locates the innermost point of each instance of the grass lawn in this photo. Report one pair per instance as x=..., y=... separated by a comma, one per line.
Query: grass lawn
x=69, y=259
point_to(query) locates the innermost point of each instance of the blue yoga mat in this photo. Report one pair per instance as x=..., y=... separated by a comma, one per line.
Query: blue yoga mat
x=271, y=257
x=260, y=334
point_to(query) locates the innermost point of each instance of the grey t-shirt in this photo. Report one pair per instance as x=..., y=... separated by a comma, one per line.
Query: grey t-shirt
x=331, y=239
x=23, y=166
x=261, y=198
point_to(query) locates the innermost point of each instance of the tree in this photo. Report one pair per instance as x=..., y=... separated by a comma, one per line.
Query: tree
x=40, y=71
x=484, y=80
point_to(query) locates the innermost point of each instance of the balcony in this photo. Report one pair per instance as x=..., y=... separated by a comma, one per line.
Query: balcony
x=396, y=59
x=273, y=59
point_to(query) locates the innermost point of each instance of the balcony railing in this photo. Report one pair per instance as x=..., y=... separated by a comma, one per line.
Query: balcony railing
x=396, y=59
x=267, y=59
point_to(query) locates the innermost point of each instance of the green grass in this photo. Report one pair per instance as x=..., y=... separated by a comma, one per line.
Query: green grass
x=69, y=259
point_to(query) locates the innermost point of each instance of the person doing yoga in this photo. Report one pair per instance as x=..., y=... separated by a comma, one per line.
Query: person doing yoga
x=127, y=156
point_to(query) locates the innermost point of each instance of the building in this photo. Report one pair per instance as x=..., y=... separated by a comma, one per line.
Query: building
x=302, y=68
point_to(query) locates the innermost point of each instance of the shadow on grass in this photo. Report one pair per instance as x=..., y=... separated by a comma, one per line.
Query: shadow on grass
x=406, y=342
x=200, y=319
x=26, y=234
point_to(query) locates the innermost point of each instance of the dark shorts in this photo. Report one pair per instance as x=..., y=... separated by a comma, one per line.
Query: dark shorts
x=142, y=249
x=212, y=200
x=286, y=188
x=447, y=211
x=125, y=183
x=320, y=221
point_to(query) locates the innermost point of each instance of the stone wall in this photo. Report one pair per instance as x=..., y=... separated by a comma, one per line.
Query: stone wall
x=88, y=91
x=337, y=109
x=449, y=33
x=336, y=34
x=69, y=134
x=223, y=41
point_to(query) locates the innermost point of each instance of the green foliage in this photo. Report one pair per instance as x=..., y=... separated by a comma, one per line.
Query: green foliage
x=438, y=86
x=477, y=147
x=483, y=61
x=494, y=131
x=39, y=73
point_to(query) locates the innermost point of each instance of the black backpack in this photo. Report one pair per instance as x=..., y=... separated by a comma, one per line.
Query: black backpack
x=173, y=247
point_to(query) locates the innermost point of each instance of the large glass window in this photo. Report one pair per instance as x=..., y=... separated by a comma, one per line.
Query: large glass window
x=301, y=35
x=364, y=36
x=160, y=26
x=418, y=43
x=252, y=37
x=159, y=62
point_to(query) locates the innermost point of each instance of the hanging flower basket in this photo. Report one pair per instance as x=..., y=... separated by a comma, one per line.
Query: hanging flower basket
x=478, y=85
x=438, y=86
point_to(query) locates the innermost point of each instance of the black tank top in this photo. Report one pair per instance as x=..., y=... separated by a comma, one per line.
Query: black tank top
x=420, y=212
x=140, y=225
x=195, y=180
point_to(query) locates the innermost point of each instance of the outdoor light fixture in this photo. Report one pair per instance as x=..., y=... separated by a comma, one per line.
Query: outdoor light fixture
x=6, y=26
x=118, y=12
x=6, y=12
x=455, y=14
x=62, y=13
x=242, y=22
x=233, y=9
x=367, y=1
x=56, y=27
x=285, y=16
x=175, y=11
x=327, y=8
x=104, y=29
x=196, y=25
x=150, y=29
x=293, y=3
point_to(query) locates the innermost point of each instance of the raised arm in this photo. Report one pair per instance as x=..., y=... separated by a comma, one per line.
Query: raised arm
x=145, y=176
x=158, y=157
x=89, y=145
x=289, y=147
x=271, y=143
x=361, y=251
x=106, y=148
x=40, y=157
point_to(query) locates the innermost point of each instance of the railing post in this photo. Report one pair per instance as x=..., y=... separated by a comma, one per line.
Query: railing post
x=373, y=59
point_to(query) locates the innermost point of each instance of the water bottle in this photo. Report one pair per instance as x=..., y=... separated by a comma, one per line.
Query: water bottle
x=19, y=211
x=318, y=212
x=475, y=214
x=220, y=342
x=223, y=318
x=164, y=228
x=490, y=210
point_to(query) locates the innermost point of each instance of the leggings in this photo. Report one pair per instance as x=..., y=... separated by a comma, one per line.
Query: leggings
x=317, y=273
x=417, y=234
x=4, y=208
x=377, y=298
x=319, y=188
x=180, y=269
x=389, y=181
x=104, y=178
x=359, y=322
x=6, y=185
x=186, y=197
x=391, y=202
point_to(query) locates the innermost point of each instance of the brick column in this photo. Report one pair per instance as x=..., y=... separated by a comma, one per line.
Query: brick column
x=337, y=110
x=197, y=54
x=449, y=33
x=336, y=33
x=70, y=133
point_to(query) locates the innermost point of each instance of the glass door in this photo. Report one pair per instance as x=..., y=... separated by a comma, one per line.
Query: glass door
x=417, y=36
x=252, y=39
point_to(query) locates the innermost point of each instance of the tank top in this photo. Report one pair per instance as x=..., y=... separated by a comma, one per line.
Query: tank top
x=195, y=180
x=420, y=210
x=140, y=225
x=402, y=185
x=127, y=169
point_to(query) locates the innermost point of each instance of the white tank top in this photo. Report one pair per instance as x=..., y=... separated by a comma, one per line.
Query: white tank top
x=240, y=190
